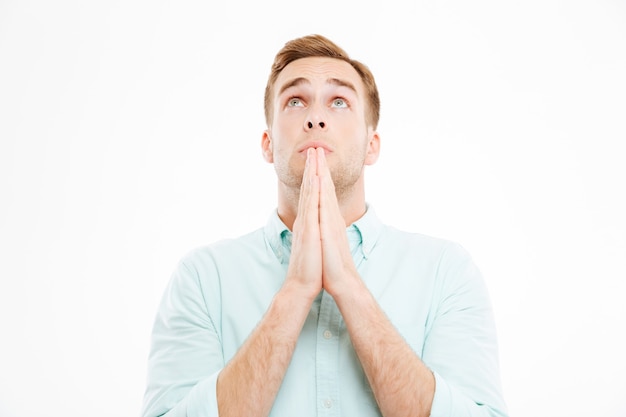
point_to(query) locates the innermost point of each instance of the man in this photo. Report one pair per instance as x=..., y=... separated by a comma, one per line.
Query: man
x=325, y=310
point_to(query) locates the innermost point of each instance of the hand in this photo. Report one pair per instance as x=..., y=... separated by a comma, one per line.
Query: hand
x=338, y=269
x=305, y=265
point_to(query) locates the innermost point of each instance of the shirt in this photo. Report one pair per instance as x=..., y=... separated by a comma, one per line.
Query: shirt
x=429, y=288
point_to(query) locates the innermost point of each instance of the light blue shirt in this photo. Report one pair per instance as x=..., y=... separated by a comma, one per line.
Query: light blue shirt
x=429, y=289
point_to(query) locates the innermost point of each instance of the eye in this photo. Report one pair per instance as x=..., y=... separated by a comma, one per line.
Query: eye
x=340, y=103
x=294, y=102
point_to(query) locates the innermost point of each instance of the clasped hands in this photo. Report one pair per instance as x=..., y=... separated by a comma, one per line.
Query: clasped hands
x=320, y=253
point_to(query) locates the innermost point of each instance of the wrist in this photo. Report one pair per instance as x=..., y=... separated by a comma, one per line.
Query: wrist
x=348, y=285
x=302, y=292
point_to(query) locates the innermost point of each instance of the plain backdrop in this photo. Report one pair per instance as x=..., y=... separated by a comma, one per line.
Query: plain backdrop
x=130, y=133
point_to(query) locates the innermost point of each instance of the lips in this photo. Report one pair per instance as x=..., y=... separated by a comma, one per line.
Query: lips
x=314, y=144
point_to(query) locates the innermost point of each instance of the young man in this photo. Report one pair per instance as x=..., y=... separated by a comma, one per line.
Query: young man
x=325, y=310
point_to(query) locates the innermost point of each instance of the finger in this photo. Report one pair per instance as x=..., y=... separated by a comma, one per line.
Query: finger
x=330, y=215
x=327, y=191
x=304, y=185
x=309, y=190
x=323, y=171
x=313, y=180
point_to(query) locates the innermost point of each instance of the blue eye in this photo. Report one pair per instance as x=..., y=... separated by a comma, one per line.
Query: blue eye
x=294, y=102
x=339, y=102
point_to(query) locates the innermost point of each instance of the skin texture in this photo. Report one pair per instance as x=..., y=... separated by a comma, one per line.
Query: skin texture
x=319, y=143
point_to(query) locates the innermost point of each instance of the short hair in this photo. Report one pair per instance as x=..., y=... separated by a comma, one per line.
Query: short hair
x=320, y=46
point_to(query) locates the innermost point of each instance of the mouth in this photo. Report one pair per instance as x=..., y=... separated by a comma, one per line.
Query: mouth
x=303, y=149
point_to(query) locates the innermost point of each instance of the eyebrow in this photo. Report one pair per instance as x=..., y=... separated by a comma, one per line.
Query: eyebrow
x=301, y=80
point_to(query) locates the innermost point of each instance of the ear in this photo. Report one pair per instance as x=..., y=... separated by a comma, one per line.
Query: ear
x=373, y=147
x=266, y=147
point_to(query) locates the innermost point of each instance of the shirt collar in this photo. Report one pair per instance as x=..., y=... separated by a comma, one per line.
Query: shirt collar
x=370, y=227
x=362, y=234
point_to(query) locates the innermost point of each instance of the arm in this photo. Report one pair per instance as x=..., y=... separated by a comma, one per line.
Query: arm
x=402, y=384
x=187, y=375
x=460, y=341
x=250, y=382
x=186, y=353
x=460, y=348
x=461, y=345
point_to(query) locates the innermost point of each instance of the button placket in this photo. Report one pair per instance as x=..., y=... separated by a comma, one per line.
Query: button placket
x=327, y=357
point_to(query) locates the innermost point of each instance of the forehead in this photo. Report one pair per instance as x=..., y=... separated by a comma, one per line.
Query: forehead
x=319, y=70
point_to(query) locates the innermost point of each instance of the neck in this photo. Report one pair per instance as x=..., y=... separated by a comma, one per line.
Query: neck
x=351, y=203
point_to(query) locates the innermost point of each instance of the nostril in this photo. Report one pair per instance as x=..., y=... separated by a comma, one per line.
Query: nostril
x=322, y=125
x=310, y=125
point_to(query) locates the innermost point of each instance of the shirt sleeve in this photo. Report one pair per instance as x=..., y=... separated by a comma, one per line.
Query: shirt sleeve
x=186, y=354
x=461, y=344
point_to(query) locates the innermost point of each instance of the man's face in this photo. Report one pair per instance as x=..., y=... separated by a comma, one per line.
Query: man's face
x=319, y=102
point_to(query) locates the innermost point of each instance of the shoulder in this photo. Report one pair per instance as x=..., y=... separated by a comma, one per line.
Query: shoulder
x=446, y=261
x=424, y=244
x=205, y=261
x=224, y=247
x=201, y=267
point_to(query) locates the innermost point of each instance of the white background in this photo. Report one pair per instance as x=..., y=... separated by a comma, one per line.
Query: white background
x=130, y=133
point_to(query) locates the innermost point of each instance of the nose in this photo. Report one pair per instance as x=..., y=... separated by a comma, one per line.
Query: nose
x=309, y=124
x=316, y=118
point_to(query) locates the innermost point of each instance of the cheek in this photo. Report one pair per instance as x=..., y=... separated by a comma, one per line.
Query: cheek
x=348, y=120
x=286, y=125
x=353, y=129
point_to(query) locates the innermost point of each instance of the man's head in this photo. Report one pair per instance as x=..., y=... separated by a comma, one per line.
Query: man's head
x=317, y=97
x=319, y=46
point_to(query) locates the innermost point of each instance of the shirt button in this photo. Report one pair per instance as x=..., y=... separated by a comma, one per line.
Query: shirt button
x=327, y=335
x=328, y=403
